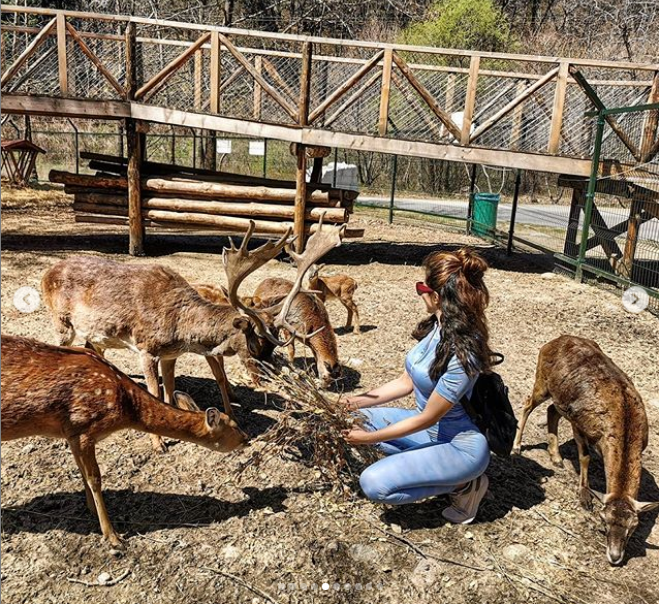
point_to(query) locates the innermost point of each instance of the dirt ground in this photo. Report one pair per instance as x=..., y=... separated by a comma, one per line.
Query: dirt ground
x=194, y=533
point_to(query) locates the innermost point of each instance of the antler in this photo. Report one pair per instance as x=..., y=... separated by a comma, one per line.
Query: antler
x=240, y=262
x=321, y=242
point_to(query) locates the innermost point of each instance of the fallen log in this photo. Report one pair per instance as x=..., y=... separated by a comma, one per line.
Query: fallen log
x=331, y=215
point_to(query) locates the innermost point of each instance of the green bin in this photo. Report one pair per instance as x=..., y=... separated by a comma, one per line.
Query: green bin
x=484, y=214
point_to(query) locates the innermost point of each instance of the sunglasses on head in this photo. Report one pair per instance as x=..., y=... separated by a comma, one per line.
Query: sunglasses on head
x=422, y=288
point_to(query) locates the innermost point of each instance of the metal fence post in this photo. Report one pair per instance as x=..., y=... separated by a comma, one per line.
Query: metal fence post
x=393, y=189
x=590, y=196
x=513, y=214
x=265, y=157
x=470, y=206
x=336, y=159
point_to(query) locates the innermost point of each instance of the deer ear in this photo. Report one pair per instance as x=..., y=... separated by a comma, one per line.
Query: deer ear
x=184, y=401
x=645, y=506
x=213, y=417
x=242, y=323
x=599, y=495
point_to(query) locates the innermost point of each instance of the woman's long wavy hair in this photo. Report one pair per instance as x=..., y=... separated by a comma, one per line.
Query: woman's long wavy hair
x=463, y=297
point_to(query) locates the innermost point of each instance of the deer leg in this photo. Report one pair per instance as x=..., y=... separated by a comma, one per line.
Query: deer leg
x=217, y=367
x=91, y=506
x=168, y=379
x=553, y=417
x=150, y=369
x=352, y=310
x=65, y=331
x=538, y=396
x=85, y=456
x=585, y=496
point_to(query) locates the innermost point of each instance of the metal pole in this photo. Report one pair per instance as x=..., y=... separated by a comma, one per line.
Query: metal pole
x=336, y=159
x=590, y=196
x=472, y=188
x=513, y=213
x=194, y=148
x=393, y=189
x=76, y=136
x=265, y=157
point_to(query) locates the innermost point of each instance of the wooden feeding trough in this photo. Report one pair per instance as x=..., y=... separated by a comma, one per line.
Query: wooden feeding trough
x=19, y=158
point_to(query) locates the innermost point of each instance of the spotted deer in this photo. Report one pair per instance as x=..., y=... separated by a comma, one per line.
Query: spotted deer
x=75, y=394
x=339, y=287
x=153, y=311
x=605, y=410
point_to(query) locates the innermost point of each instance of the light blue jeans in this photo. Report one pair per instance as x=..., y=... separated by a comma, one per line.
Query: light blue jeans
x=422, y=465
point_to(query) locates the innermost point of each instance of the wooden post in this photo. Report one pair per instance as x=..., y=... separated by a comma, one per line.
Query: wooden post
x=258, y=65
x=626, y=266
x=571, y=248
x=470, y=100
x=518, y=114
x=61, y=55
x=386, y=89
x=215, y=72
x=651, y=122
x=557, y=111
x=135, y=220
x=198, y=76
x=317, y=170
x=301, y=168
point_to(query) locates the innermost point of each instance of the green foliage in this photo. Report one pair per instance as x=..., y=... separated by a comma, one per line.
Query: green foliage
x=464, y=24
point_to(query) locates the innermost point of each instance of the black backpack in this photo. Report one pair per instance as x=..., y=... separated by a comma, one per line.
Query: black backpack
x=490, y=409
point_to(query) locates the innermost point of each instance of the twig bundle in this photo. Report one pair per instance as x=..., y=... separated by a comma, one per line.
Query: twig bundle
x=310, y=426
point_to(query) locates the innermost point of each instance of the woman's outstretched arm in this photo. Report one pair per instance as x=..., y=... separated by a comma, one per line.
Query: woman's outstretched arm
x=435, y=409
x=395, y=389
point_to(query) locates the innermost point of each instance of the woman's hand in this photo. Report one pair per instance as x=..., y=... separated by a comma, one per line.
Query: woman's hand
x=357, y=436
x=350, y=404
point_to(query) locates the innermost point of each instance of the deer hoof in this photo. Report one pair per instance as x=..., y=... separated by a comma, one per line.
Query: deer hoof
x=159, y=446
x=516, y=450
x=558, y=461
x=116, y=541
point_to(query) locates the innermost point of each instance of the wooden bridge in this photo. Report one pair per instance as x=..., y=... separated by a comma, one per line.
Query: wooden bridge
x=507, y=110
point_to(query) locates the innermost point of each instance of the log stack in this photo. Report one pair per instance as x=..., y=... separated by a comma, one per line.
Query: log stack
x=185, y=198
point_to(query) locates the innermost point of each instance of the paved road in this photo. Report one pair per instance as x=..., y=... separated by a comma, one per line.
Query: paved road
x=532, y=214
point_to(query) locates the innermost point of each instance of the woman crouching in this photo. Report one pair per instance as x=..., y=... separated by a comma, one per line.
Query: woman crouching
x=434, y=449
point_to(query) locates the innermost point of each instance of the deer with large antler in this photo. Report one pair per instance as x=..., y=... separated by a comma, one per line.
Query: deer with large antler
x=153, y=311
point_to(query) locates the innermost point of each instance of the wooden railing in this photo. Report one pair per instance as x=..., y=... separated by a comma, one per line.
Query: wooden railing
x=366, y=91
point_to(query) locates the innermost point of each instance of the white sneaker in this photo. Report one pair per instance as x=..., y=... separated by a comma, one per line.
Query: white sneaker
x=465, y=502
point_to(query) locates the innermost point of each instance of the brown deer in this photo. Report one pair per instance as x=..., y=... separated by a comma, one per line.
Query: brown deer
x=309, y=316
x=600, y=401
x=339, y=287
x=153, y=311
x=73, y=393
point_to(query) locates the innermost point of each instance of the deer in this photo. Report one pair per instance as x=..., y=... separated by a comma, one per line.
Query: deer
x=153, y=311
x=309, y=316
x=339, y=287
x=605, y=410
x=75, y=394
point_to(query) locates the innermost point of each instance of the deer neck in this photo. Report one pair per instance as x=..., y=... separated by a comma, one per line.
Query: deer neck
x=207, y=325
x=623, y=466
x=157, y=417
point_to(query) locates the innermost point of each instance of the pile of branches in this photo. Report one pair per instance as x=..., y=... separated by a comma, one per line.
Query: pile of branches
x=310, y=428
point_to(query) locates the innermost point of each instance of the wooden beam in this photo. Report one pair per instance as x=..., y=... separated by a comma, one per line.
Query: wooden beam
x=592, y=95
x=157, y=81
x=198, y=78
x=425, y=94
x=320, y=137
x=578, y=202
x=347, y=85
x=258, y=78
x=96, y=61
x=258, y=66
x=216, y=73
x=470, y=101
x=62, y=66
x=131, y=62
x=276, y=77
x=485, y=126
x=60, y=107
x=414, y=103
x=136, y=224
x=651, y=123
x=557, y=111
x=352, y=99
x=28, y=52
x=384, y=92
